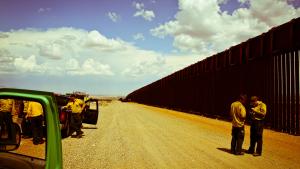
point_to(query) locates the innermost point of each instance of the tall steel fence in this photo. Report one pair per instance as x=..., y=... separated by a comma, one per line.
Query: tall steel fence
x=266, y=66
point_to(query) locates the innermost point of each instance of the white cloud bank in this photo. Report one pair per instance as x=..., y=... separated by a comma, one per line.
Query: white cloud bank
x=77, y=52
x=56, y=51
x=202, y=28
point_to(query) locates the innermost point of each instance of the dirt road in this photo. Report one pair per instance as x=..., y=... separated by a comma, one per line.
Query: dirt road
x=130, y=135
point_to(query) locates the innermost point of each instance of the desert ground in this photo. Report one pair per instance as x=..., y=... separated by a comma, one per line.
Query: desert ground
x=130, y=135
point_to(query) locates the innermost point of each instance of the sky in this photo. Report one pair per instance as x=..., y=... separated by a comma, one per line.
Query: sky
x=113, y=47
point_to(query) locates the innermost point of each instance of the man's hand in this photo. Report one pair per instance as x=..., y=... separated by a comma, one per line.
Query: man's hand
x=252, y=112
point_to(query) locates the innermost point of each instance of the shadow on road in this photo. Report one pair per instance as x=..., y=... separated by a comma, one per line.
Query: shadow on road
x=74, y=136
x=89, y=127
x=225, y=150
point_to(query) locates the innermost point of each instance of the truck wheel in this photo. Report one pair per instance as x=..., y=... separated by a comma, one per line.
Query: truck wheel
x=66, y=131
x=18, y=134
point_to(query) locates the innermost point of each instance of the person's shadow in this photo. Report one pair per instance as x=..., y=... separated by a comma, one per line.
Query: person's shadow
x=227, y=150
x=89, y=127
x=75, y=136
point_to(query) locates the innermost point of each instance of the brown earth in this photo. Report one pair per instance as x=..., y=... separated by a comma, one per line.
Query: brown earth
x=130, y=135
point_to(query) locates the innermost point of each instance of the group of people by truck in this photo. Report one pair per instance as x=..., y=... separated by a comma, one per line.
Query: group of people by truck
x=76, y=106
x=18, y=106
x=29, y=115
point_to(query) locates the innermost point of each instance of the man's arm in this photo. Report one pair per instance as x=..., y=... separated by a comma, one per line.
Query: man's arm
x=82, y=105
x=242, y=112
x=66, y=106
x=28, y=110
x=260, y=110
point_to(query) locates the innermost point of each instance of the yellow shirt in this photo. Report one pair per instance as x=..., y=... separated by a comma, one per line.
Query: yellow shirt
x=76, y=106
x=25, y=110
x=260, y=111
x=238, y=114
x=6, y=105
x=34, y=109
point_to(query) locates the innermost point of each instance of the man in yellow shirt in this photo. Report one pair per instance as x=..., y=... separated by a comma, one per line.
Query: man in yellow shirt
x=257, y=114
x=238, y=114
x=35, y=115
x=76, y=106
x=6, y=109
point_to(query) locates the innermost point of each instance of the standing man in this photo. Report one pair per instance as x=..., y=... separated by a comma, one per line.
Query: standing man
x=257, y=114
x=6, y=109
x=76, y=106
x=26, y=131
x=35, y=116
x=238, y=114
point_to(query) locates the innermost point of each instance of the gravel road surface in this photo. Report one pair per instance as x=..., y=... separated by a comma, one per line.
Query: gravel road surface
x=130, y=135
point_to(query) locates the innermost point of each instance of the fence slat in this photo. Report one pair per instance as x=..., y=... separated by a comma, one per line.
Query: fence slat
x=288, y=97
x=297, y=92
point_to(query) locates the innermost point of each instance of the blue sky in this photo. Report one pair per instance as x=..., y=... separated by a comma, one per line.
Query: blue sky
x=90, y=15
x=112, y=47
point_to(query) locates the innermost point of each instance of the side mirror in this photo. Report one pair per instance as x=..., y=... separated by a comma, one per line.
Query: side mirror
x=10, y=137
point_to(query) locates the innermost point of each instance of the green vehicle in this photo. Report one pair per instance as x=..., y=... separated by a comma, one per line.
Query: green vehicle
x=17, y=149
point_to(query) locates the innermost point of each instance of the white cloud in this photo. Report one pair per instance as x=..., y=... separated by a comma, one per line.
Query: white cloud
x=148, y=15
x=200, y=26
x=97, y=40
x=243, y=1
x=222, y=1
x=89, y=67
x=52, y=50
x=158, y=65
x=58, y=43
x=150, y=66
x=6, y=61
x=169, y=28
x=72, y=65
x=113, y=16
x=138, y=36
x=138, y=6
x=41, y=10
x=28, y=65
x=3, y=35
x=273, y=12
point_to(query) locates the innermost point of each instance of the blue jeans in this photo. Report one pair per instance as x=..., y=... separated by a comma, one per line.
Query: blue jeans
x=238, y=134
x=37, y=128
x=76, y=122
x=6, y=121
x=256, y=132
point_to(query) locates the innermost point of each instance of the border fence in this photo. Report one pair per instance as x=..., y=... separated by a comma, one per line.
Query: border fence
x=266, y=66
